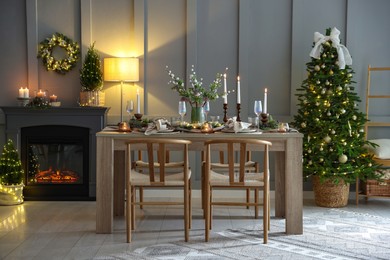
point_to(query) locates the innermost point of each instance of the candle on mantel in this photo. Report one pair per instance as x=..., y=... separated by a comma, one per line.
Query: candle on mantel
x=21, y=92
x=53, y=98
x=224, y=89
x=265, y=101
x=40, y=94
x=238, y=91
x=138, y=103
x=24, y=93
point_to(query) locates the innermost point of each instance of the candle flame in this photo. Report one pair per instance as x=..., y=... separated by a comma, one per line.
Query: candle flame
x=238, y=78
x=265, y=90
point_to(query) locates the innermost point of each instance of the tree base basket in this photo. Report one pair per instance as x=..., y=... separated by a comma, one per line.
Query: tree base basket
x=330, y=195
x=92, y=98
x=11, y=194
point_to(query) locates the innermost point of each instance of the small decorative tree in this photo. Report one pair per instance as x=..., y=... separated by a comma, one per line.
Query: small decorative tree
x=91, y=79
x=11, y=172
x=91, y=76
x=328, y=116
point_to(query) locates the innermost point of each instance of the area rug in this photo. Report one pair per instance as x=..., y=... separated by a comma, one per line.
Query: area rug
x=330, y=234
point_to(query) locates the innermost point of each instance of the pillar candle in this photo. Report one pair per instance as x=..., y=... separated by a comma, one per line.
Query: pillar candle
x=21, y=92
x=26, y=93
x=138, y=103
x=53, y=98
x=238, y=91
x=40, y=94
x=265, y=100
x=224, y=89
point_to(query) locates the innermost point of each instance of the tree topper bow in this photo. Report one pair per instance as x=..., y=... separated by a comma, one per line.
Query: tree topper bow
x=343, y=54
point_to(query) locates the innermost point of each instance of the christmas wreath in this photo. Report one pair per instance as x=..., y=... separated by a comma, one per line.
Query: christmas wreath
x=61, y=66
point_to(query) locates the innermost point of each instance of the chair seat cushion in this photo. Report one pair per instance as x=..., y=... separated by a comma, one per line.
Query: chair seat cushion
x=171, y=179
x=253, y=179
x=250, y=166
x=143, y=164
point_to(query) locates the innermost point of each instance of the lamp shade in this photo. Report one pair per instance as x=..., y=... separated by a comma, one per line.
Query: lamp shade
x=121, y=69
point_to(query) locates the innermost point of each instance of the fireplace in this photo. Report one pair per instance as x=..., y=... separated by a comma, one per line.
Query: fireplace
x=57, y=148
x=55, y=159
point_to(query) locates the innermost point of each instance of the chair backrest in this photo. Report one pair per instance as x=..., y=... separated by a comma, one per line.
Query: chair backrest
x=238, y=148
x=157, y=150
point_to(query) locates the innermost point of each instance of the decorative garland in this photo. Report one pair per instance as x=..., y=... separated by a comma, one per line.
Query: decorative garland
x=46, y=53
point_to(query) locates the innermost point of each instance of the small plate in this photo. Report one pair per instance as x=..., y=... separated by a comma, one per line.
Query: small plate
x=242, y=131
x=166, y=130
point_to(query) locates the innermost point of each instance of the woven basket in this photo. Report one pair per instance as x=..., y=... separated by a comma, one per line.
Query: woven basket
x=376, y=188
x=330, y=195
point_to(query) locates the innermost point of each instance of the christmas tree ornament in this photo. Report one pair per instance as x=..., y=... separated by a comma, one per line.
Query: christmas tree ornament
x=343, y=158
x=317, y=68
x=327, y=139
x=327, y=83
x=331, y=72
x=323, y=66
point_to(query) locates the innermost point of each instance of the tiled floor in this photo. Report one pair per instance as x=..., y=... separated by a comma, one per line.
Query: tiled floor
x=66, y=230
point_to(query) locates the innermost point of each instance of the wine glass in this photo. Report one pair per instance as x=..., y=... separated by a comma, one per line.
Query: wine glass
x=129, y=106
x=182, y=109
x=206, y=109
x=258, y=109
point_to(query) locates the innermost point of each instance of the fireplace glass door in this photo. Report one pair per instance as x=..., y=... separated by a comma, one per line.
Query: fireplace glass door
x=55, y=163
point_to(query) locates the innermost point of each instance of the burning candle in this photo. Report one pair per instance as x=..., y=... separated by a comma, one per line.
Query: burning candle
x=238, y=91
x=53, y=98
x=40, y=94
x=265, y=101
x=224, y=89
x=138, y=103
x=26, y=93
x=21, y=92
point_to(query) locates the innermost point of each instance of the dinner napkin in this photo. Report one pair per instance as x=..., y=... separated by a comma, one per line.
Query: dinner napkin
x=157, y=125
x=236, y=126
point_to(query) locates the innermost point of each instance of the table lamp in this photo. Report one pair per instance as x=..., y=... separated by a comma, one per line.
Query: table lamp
x=121, y=70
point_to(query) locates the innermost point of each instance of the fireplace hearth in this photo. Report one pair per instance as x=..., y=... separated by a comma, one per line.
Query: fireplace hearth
x=58, y=150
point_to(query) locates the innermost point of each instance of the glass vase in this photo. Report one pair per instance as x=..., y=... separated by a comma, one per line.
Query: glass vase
x=197, y=115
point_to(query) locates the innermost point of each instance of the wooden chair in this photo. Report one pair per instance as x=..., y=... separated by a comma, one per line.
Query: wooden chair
x=250, y=166
x=237, y=178
x=158, y=176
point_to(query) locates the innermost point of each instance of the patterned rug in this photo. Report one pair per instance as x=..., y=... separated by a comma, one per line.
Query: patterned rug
x=331, y=234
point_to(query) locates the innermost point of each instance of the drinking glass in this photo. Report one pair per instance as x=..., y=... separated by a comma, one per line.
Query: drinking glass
x=206, y=109
x=182, y=109
x=258, y=109
x=129, y=106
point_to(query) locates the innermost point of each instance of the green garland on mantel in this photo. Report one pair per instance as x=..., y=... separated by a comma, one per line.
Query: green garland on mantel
x=64, y=65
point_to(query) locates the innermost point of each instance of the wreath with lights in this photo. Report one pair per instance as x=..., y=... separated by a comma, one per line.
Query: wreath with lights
x=64, y=65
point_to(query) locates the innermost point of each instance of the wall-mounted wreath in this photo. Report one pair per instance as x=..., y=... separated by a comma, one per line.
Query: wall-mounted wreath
x=64, y=65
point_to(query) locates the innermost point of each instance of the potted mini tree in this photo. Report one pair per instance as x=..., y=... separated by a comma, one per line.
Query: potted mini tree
x=334, y=139
x=91, y=79
x=11, y=176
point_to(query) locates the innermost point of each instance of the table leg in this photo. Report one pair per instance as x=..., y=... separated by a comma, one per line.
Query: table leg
x=104, y=185
x=280, y=179
x=294, y=186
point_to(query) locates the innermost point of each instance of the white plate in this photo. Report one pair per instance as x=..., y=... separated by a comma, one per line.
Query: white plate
x=242, y=131
x=166, y=131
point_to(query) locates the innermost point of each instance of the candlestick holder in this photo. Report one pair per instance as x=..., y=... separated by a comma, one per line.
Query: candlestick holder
x=264, y=118
x=225, y=106
x=238, y=119
x=138, y=116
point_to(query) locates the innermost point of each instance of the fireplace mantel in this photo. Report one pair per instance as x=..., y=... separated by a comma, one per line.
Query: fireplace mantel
x=93, y=118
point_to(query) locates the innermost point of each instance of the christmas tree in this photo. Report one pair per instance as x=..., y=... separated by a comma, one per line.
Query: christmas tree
x=328, y=116
x=91, y=76
x=11, y=171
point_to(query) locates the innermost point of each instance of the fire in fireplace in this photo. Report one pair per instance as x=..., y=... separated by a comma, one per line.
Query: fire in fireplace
x=55, y=159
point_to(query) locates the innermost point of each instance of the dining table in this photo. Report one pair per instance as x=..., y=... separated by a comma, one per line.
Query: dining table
x=287, y=169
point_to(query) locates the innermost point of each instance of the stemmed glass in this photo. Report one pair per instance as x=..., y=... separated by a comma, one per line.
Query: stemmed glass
x=182, y=109
x=258, y=109
x=129, y=106
x=206, y=109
